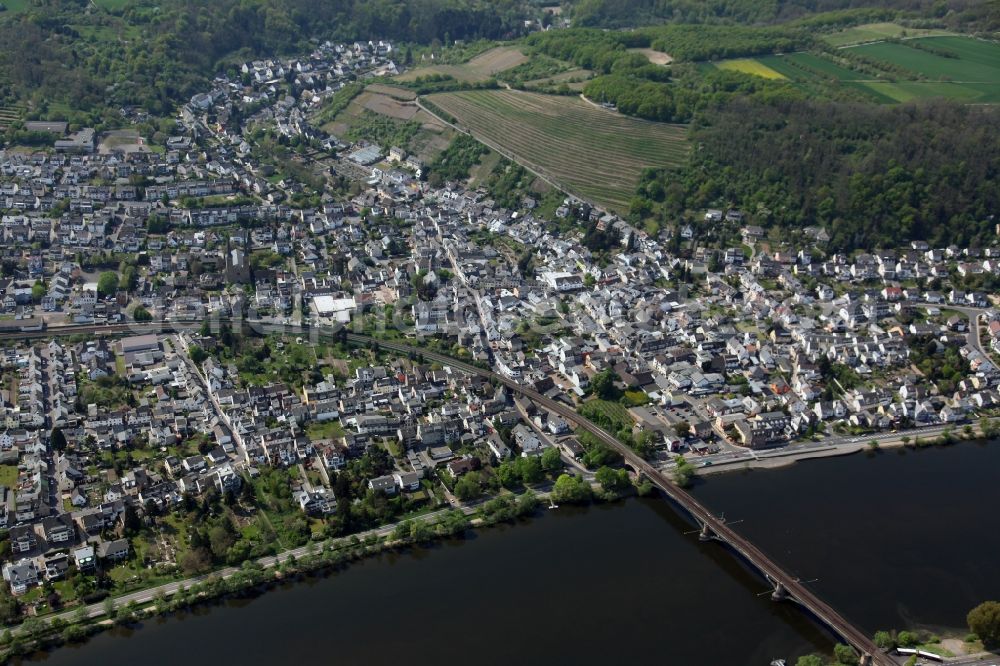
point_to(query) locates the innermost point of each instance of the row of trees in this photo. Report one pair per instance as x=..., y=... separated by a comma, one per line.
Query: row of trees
x=983, y=16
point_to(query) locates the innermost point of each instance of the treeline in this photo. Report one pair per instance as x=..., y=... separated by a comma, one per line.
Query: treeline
x=715, y=42
x=339, y=101
x=631, y=13
x=154, y=53
x=871, y=175
x=691, y=92
x=604, y=51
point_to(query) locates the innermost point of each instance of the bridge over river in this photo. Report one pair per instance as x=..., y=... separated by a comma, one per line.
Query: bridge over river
x=786, y=587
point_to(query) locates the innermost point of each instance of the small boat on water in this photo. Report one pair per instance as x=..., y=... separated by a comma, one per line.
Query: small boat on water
x=778, y=662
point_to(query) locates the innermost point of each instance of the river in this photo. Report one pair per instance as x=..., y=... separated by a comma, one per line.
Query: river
x=894, y=539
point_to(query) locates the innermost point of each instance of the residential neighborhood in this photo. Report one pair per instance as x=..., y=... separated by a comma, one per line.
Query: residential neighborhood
x=114, y=446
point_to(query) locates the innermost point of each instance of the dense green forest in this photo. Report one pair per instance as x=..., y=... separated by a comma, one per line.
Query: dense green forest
x=155, y=52
x=981, y=14
x=872, y=175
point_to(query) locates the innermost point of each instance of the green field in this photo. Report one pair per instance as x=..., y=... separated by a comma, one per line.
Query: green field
x=15, y=5
x=876, y=31
x=8, y=476
x=976, y=62
x=591, y=152
x=22, y=5
x=971, y=74
x=605, y=412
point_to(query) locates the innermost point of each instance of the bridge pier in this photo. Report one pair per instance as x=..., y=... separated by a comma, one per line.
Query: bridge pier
x=706, y=533
x=865, y=660
x=780, y=593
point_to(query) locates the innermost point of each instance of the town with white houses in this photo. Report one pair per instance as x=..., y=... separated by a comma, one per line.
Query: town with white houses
x=120, y=454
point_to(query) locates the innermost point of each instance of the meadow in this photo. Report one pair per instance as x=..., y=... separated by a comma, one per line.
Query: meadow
x=480, y=68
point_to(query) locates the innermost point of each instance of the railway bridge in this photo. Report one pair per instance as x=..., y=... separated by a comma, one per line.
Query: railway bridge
x=786, y=587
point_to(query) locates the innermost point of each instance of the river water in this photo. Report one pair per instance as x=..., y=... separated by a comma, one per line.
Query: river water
x=894, y=540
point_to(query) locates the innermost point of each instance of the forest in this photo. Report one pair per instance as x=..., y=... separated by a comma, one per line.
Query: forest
x=153, y=54
x=872, y=175
x=958, y=14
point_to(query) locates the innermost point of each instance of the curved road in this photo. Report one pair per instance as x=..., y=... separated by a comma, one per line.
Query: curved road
x=751, y=553
x=792, y=587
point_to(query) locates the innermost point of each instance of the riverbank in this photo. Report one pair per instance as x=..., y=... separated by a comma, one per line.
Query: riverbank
x=76, y=626
x=602, y=570
x=935, y=436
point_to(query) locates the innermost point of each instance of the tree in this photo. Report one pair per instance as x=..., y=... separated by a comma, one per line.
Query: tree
x=569, y=488
x=612, y=480
x=884, y=640
x=845, y=654
x=107, y=283
x=984, y=620
x=196, y=560
x=551, y=460
x=37, y=291
x=507, y=474
x=468, y=487
x=58, y=439
x=603, y=384
x=810, y=660
x=109, y=608
x=198, y=355
x=141, y=314
x=221, y=540
x=682, y=429
x=132, y=523
x=530, y=469
x=684, y=472
x=10, y=609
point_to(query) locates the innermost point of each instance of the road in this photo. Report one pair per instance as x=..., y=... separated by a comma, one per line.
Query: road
x=974, y=336
x=789, y=585
x=169, y=589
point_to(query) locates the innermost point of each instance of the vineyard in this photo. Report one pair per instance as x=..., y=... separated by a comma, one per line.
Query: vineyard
x=10, y=115
x=588, y=151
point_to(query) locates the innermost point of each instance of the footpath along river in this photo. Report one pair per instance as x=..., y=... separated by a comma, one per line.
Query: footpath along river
x=897, y=539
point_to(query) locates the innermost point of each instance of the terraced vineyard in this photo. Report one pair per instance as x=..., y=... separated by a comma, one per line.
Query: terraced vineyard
x=9, y=115
x=588, y=151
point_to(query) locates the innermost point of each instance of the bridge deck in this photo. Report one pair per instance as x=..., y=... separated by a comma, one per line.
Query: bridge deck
x=751, y=553
x=775, y=573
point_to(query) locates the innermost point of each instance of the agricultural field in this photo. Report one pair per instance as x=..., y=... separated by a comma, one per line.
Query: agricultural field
x=390, y=106
x=972, y=61
x=874, y=32
x=575, y=79
x=402, y=94
x=959, y=68
x=654, y=56
x=480, y=68
x=385, y=101
x=588, y=151
x=750, y=66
